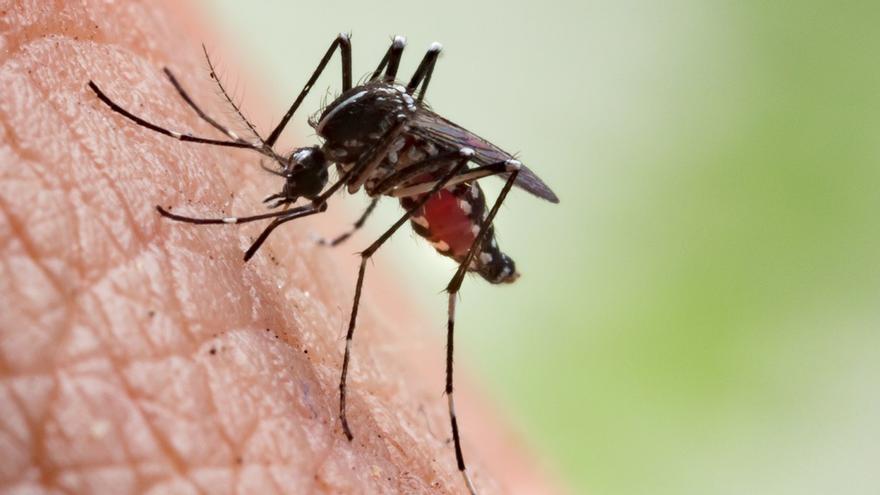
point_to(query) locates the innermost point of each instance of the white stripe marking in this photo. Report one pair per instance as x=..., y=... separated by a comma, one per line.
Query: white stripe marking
x=420, y=221
x=351, y=99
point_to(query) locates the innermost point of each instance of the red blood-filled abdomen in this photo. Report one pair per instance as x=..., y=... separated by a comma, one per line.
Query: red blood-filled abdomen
x=449, y=223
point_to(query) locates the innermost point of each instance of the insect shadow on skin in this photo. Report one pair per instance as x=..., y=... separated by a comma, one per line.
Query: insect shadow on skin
x=382, y=137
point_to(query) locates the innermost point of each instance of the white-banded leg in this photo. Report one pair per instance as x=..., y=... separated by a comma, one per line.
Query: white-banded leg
x=391, y=60
x=181, y=136
x=450, y=397
x=423, y=73
x=506, y=166
x=465, y=154
x=452, y=288
x=343, y=42
x=293, y=214
x=414, y=170
x=221, y=220
x=355, y=227
x=280, y=217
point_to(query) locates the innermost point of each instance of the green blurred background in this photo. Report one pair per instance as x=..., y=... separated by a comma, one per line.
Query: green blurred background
x=699, y=314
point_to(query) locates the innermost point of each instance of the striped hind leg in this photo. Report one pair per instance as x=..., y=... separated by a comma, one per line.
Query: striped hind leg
x=453, y=288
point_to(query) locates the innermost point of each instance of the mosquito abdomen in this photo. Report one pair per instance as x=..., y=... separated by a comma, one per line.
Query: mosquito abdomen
x=450, y=222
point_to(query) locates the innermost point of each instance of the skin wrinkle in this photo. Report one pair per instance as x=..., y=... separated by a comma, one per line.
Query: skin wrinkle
x=55, y=472
x=19, y=232
x=318, y=466
x=169, y=452
x=10, y=419
x=216, y=414
x=70, y=215
x=36, y=425
x=10, y=140
x=101, y=337
x=174, y=300
x=36, y=158
x=105, y=337
x=47, y=98
x=154, y=407
x=129, y=458
x=47, y=473
x=177, y=462
x=274, y=482
x=235, y=445
x=108, y=336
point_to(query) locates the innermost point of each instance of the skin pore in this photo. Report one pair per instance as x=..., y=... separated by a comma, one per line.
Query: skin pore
x=139, y=354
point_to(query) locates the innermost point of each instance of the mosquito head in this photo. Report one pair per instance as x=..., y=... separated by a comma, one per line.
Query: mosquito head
x=306, y=173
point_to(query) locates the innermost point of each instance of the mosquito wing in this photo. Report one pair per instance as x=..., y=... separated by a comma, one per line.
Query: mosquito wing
x=432, y=127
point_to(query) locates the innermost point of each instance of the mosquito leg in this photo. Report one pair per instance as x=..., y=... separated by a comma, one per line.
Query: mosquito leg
x=342, y=42
x=506, y=166
x=226, y=220
x=465, y=154
x=450, y=326
x=161, y=130
x=423, y=72
x=452, y=289
x=391, y=59
x=189, y=101
x=280, y=217
x=304, y=211
x=357, y=225
x=376, y=155
x=386, y=185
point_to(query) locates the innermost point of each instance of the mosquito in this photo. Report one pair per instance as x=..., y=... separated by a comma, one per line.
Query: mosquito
x=381, y=136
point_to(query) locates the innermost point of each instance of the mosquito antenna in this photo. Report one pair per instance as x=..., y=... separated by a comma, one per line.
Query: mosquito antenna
x=228, y=98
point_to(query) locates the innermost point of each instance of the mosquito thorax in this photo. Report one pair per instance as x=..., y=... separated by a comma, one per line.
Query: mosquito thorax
x=306, y=173
x=359, y=117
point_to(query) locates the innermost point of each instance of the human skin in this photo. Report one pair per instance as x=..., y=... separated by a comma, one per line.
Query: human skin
x=142, y=355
